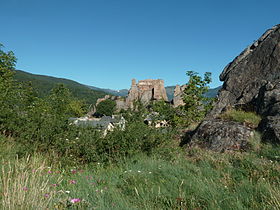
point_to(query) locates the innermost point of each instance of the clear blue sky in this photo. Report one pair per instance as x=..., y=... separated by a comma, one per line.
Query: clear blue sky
x=105, y=43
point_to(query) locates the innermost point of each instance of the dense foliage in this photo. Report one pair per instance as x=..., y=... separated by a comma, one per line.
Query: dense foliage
x=106, y=107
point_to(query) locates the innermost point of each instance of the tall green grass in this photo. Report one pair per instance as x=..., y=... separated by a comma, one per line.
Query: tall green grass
x=196, y=179
x=25, y=184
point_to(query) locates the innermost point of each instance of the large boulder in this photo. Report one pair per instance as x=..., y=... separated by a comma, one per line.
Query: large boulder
x=220, y=135
x=252, y=83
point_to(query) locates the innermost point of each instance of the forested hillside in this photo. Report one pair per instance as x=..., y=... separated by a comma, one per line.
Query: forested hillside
x=43, y=85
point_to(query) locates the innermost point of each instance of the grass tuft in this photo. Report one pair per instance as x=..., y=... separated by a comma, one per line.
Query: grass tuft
x=249, y=118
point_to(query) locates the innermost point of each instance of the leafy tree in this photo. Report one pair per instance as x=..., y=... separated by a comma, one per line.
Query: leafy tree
x=14, y=97
x=165, y=110
x=62, y=102
x=196, y=104
x=106, y=107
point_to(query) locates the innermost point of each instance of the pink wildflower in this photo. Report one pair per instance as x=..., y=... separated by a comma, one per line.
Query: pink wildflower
x=25, y=189
x=75, y=200
x=47, y=195
x=49, y=172
x=72, y=182
x=73, y=171
x=55, y=185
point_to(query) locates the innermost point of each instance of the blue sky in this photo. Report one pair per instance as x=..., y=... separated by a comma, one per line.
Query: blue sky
x=106, y=43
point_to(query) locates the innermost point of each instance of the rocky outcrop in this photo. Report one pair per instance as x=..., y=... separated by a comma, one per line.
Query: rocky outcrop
x=243, y=78
x=251, y=83
x=178, y=96
x=219, y=135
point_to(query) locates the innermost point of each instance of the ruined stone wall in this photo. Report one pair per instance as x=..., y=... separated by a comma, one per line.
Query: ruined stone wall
x=146, y=91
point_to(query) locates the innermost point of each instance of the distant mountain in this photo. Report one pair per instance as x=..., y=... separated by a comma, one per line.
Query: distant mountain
x=43, y=84
x=123, y=92
x=212, y=93
x=170, y=92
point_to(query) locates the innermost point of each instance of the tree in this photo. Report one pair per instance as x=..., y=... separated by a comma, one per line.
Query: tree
x=106, y=107
x=9, y=95
x=196, y=104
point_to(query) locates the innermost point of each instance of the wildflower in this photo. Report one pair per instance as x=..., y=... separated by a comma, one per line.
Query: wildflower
x=150, y=172
x=73, y=171
x=49, y=172
x=139, y=171
x=72, y=181
x=77, y=138
x=25, y=189
x=46, y=195
x=67, y=191
x=55, y=185
x=75, y=200
x=125, y=171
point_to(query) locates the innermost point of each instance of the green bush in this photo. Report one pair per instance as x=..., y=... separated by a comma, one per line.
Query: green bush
x=106, y=107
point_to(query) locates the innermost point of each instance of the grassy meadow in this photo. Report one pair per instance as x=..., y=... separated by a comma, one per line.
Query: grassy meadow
x=186, y=179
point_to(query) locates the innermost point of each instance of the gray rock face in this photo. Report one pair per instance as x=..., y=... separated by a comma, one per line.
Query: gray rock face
x=178, y=92
x=270, y=127
x=248, y=72
x=219, y=135
x=252, y=83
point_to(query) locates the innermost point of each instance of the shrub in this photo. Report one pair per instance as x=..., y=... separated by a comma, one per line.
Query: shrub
x=106, y=107
x=137, y=138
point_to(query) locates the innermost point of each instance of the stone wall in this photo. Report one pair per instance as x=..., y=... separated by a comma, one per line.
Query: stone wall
x=144, y=91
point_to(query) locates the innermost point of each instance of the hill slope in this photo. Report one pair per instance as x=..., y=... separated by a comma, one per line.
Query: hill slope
x=43, y=84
